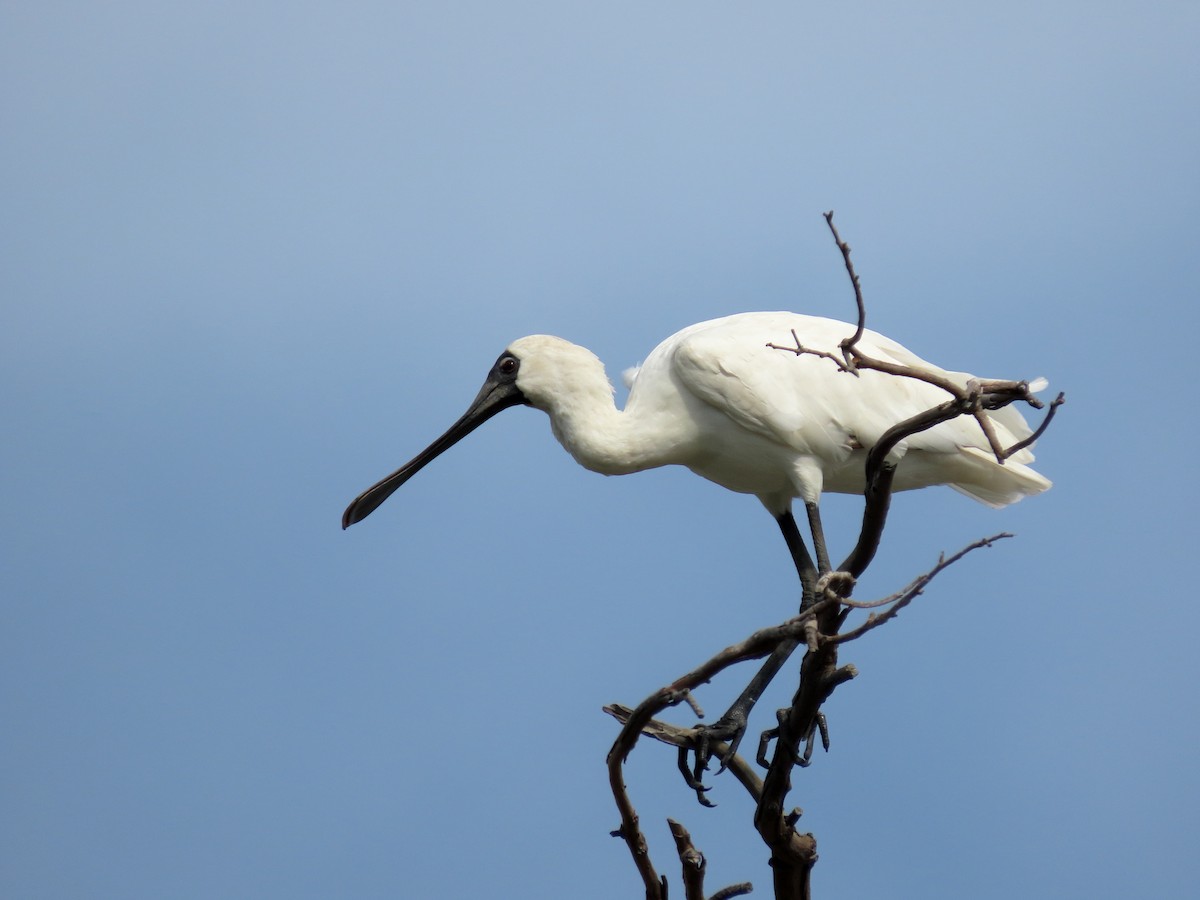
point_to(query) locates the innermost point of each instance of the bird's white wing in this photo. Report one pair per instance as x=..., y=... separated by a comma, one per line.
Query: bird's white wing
x=806, y=402
x=794, y=401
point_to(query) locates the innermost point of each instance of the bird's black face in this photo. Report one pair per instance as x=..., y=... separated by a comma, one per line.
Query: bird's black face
x=505, y=369
x=499, y=392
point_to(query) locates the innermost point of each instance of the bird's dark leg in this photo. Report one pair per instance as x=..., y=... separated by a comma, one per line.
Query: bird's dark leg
x=805, y=568
x=731, y=727
x=818, y=533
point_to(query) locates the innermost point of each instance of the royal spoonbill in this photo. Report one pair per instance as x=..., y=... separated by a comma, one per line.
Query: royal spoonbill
x=716, y=399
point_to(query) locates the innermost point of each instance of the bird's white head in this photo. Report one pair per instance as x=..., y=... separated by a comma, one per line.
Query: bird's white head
x=556, y=375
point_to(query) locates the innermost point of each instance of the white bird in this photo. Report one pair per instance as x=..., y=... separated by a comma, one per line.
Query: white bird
x=716, y=399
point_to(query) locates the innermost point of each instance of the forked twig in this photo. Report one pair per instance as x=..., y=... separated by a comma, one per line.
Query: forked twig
x=975, y=398
x=901, y=599
x=801, y=350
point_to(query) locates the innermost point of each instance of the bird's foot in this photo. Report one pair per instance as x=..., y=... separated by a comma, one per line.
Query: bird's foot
x=728, y=730
x=819, y=725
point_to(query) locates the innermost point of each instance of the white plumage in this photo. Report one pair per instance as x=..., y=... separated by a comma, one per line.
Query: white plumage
x=716, y=399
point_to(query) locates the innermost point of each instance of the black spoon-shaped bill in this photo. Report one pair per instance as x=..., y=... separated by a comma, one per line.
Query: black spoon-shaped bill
x=499, y=392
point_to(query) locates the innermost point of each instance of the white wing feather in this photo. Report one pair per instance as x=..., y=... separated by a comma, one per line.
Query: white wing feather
x=806, y=403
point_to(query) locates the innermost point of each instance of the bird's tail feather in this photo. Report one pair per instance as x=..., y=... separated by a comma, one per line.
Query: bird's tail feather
x=997, y=485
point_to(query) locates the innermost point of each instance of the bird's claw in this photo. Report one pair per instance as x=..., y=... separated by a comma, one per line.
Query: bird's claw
x=729, y=729
x=764, y=741
x=691, y=780
x=819, y=725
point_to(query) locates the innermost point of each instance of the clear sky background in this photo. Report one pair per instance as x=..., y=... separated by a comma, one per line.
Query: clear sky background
x=255, y=255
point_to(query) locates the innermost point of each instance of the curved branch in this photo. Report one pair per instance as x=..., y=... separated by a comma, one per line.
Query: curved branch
x=683, y=738
x=1029, y=441
x=757, y=645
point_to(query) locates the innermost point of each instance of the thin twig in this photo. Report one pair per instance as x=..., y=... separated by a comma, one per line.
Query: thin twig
x=801, y=350
x=912, y=591
x=850, y=342
x=1054, y=405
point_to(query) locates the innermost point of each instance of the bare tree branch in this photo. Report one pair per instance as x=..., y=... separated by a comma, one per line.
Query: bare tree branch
x=757, y=645
x=683, y=738
x=825, y=607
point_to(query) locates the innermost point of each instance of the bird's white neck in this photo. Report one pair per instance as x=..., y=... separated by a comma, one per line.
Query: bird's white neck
x=569, y=384
x=598, y=436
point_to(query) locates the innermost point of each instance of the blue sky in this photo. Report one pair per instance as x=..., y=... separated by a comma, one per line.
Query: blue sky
x=253, y=256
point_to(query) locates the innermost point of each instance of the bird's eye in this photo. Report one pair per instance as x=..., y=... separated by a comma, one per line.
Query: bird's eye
x=508, y=365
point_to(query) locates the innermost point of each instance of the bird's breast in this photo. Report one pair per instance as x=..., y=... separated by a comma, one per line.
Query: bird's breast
x=745, y=463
